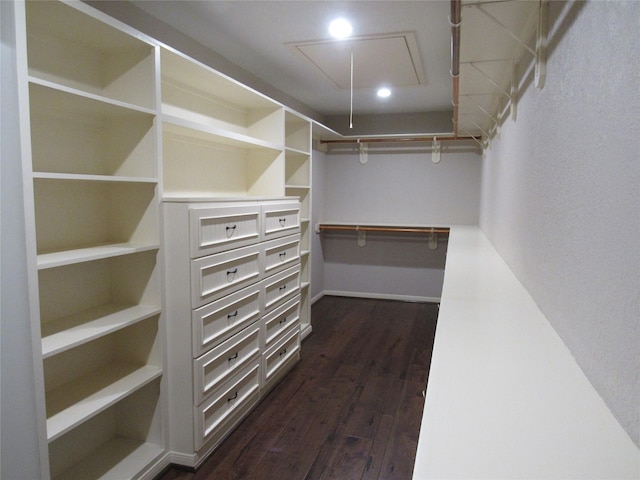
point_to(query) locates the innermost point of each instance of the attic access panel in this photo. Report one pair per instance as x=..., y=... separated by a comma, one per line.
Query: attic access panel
x=388, y=59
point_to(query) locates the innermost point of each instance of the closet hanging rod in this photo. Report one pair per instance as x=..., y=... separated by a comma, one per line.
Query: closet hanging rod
x=401, y=139
x=379, y=228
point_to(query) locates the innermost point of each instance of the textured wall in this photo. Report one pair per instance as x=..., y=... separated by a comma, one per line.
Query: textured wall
x=402, y=185
x=21, y=455
x=399, y=184
x=561, y=197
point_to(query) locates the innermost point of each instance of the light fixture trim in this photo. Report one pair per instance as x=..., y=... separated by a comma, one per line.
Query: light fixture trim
x=340, y=28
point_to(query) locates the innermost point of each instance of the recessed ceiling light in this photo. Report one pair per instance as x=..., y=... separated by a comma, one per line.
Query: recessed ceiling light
x=384, y=92
x=340, y=28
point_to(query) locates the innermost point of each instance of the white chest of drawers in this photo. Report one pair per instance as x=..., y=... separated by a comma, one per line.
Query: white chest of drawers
x=233, y=310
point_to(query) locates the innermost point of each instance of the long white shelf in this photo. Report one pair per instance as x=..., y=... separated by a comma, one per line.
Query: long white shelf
x=69, y=257
x=505, y=397
x=188, y=128
x=74, y=330
x=117, y=459
x=93, y=178
x=297, y=153
x=101, y=103
x=79, y=401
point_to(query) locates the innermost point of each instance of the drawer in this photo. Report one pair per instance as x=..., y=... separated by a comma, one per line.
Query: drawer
x=280, y=219
x=217, y=229
x=281, y=357
x=281, y=253
x=217, y=321
x=218, y=275
x=218, y=414
x=280, y=286
x=280, y=320
x=222, y=362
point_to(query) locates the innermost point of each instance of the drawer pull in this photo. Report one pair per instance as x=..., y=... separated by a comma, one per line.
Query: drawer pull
x=283, y=287
x=232, y=315
x=235, y=395
x=282, y=221
x=231, y=230
x=282, y=256
x=232, y=272
x=284, y=319
x=233, y=357
x=283, y=352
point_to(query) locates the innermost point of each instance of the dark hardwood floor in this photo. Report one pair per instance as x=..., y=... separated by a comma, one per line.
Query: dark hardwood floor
x=350, y=410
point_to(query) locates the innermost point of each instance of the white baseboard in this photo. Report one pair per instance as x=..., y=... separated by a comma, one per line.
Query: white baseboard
x=184, y=459
x=381, y=296
x=305, y=332
x=317, y=297
x=157, y=468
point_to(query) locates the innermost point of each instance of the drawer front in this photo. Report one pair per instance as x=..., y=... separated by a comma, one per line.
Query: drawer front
x=218, y=275
x=280, y=219
x=219, y=320
x=281, y=320
x=281, y=286
x=217, y=229
x=281, y=357
x=218, y=414
x=222, y=362
x=281, y=253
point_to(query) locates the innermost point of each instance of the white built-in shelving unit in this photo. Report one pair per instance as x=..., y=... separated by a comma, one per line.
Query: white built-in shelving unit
x=298, y=183
x=220, y=139
x=95, y=202
x=114, y=123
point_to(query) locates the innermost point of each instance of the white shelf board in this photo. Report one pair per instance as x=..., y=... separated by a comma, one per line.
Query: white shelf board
x=92, y=178
x=69, y=257
x=207, y=133
x=86, y=326
x=93, y=393
x=304, y=252
x=296, y=153
x=297, y=187
x=100, y=103
x=117, y=459
x=304, y=285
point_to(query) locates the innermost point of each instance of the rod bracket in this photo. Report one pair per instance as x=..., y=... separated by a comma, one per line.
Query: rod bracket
x=363, y=152
x=541, y=44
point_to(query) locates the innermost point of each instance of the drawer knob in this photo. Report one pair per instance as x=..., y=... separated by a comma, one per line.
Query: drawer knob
x=282, y=221
x=235, y=395
x=283, y=352
x=284, y=319
x=283, y=287
x=233, y=357
x=232, y=315
x=231, y=230
x=282, y=256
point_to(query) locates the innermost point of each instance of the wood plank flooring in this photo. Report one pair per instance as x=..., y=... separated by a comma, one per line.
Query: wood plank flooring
x=350, y=410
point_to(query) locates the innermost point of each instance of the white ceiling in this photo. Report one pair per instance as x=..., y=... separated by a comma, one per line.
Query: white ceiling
x=287, y=45
x=256, y=35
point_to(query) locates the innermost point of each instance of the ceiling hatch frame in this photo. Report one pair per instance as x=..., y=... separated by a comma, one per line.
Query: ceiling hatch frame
x=391, y=59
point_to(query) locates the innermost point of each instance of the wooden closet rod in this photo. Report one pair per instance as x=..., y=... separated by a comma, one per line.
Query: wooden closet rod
x=375, y=228
x=402, y=139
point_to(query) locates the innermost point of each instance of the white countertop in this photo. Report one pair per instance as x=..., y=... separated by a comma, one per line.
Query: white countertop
x=505, y=398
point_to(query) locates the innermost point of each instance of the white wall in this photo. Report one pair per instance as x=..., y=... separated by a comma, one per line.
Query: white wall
x=398, y=185
x=20, y=454
x=561, y=196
